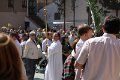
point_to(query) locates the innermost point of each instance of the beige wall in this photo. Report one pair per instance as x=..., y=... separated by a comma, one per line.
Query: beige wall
x=15, y=16
x=80, y=12
x=15, y=19
x=17, y=6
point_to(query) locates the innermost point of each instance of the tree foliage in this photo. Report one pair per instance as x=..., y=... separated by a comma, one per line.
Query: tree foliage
x=110, y=4
x=97, y=13
x=60, y=4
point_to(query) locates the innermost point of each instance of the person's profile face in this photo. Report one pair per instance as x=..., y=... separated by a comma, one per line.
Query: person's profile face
x=89, y=34
x=55, y=37
x=50, y=36
x=33, y=36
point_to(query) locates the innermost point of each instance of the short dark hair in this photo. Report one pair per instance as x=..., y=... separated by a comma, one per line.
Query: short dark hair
x=83, y=28
x=112, y=25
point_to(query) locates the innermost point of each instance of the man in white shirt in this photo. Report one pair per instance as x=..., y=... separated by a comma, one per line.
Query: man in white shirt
x=101, y=55
x=85, y=32
x=47, y=42
x=54, y=67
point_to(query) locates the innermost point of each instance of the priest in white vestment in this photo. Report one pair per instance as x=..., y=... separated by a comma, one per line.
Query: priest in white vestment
x=54, y=68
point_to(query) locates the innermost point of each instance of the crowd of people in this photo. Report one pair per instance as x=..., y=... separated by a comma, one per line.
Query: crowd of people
x=71, y=54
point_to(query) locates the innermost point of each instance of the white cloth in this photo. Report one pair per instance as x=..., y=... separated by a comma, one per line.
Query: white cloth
x=73, y=53
x=18, y=47
x=54, y=68
x=78, y=48
x=102, y=58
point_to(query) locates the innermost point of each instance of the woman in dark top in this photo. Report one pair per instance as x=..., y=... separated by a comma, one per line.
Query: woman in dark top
x=66, y=48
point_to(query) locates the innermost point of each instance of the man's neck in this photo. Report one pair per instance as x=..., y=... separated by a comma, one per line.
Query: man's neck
x=83, y=38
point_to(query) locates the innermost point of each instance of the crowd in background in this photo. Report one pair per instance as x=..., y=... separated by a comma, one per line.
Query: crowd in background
x=32, y=45
x=72, y=54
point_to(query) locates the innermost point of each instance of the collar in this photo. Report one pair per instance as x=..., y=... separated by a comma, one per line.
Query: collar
x=109, y=35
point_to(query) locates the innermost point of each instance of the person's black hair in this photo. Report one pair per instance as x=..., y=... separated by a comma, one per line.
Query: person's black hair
x=63, y=40
x=112, y=25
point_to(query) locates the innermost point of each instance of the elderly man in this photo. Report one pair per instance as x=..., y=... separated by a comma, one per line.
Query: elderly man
x=31, y=53
x=47, y=42
x=101, y=55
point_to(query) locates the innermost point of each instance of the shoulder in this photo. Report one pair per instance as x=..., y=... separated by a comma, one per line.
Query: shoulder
x=95, y=39
x=59, y=43
x=44, y=41
x=28, y=41
x=79, y=43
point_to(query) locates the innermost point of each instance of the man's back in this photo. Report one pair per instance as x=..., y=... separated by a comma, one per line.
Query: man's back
x=101, y=55
x=103, y=61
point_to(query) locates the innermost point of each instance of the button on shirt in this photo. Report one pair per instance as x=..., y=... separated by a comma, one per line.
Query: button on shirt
x=102, y=58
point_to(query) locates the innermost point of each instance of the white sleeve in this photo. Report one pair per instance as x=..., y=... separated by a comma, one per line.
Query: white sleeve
x=83, y=54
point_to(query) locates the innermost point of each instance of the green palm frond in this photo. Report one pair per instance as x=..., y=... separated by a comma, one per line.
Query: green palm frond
x=97, y=13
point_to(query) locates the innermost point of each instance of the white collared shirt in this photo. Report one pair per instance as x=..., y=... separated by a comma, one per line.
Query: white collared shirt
x=102, y=58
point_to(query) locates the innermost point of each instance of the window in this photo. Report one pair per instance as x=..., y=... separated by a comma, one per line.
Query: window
x=11, y=3
x=24, y=3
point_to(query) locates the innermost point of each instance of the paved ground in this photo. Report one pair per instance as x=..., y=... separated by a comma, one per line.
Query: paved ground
x=39, y=75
